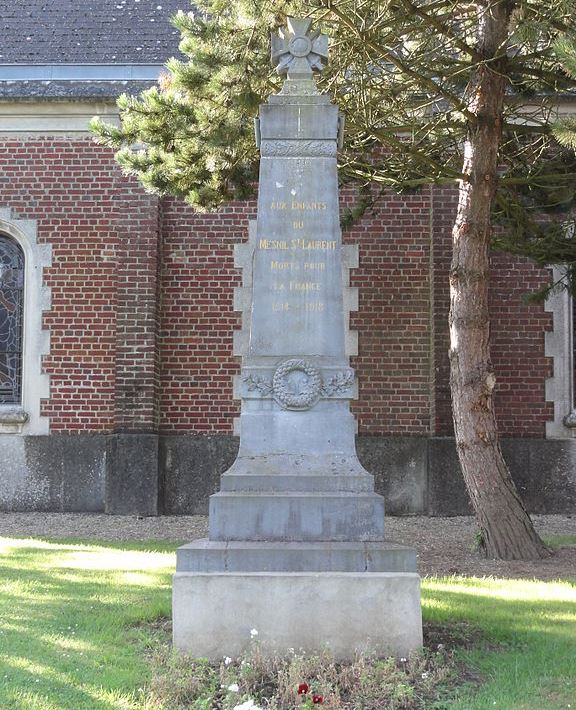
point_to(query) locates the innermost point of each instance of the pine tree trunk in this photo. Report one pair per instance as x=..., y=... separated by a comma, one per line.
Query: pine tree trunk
x=506, y=529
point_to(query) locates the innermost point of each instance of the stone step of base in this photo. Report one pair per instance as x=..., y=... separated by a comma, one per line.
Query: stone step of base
x=302, y=483
x=211, y=556
x=296, y=516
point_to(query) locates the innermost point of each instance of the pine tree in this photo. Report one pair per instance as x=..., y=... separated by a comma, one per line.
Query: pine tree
x=564, y=130
x=434, y=92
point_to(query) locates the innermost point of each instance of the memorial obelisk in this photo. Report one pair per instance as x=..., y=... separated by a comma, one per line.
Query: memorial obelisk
x=296, y=544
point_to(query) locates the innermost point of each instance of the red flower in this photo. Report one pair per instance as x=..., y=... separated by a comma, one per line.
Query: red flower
x=317, y=699
x=303, y=688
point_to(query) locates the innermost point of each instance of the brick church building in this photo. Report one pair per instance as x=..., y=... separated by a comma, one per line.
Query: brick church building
x=117, y=317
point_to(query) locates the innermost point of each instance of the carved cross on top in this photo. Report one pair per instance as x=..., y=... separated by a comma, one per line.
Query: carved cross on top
x=297, y=51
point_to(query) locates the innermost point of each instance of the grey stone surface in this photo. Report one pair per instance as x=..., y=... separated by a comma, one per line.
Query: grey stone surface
x=190, y=470
x=293, y=515
x=344, y=612
x=295, y=383
x=548, y=484
x=132, y=474
x=446, y=491
x=52, y=473
x=400, y=469
x=290, y=482
x=67, y=473
x=212, y=556
x=543, y=471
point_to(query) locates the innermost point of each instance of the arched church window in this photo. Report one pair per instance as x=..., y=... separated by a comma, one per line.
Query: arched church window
x=11, y=320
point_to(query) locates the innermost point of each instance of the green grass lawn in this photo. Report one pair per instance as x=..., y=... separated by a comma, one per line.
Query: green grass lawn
x=71, y=637
x=534, y=625
x=68, y=612
x=560, y=540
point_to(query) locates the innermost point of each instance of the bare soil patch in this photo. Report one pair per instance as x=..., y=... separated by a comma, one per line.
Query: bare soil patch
x=445, y=546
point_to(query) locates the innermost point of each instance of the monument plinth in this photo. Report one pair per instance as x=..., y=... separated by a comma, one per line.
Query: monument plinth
x=296, y=534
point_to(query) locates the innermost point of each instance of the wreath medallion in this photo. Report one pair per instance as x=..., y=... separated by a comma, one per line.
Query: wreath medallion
x=296, y=384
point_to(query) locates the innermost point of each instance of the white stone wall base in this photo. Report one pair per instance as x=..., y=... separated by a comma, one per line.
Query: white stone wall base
x=343, y=612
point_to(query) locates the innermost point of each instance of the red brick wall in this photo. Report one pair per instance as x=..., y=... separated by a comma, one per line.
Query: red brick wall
x=137, y=371
x=142, y=308
x=69, y=187
x=104, y=232
x=198, y=277
x=393, y=321
x=518, y=347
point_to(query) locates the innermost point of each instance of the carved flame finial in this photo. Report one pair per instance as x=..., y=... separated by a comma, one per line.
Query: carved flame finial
x=297, y=52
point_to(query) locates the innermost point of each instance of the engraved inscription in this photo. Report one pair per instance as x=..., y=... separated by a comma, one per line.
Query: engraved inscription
x=314, y=307
x=273, y=244
x=299, y=272
x=313, y=244
x=298, y=148
x=307, y=307
x=314, y=266
x=298, y=244
x=303, y=286
x=283, y=266
x=297, y=205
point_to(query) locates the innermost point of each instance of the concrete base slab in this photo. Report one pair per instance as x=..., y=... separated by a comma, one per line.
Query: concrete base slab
x=214, y=613
x=244, y=556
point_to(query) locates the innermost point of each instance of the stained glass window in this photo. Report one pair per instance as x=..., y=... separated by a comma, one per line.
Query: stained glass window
x=11, y=314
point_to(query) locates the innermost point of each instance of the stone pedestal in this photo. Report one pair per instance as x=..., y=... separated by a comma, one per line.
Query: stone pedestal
x=296, y=545
x=344, y=612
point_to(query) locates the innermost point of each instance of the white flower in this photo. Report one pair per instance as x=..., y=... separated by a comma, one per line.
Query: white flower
x=234, y=688
x=424, y=675
x=402, y=660
x=227, y=660
x=248, y=705
x=253, y=632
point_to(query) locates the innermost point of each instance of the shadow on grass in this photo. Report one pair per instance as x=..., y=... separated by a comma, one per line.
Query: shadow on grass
x=66, y=631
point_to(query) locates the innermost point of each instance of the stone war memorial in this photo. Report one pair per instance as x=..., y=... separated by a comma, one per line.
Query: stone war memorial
x=296, y=546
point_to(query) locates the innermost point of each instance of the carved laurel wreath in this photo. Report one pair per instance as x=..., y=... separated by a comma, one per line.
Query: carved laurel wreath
x=310, y=392
x=313, y=389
